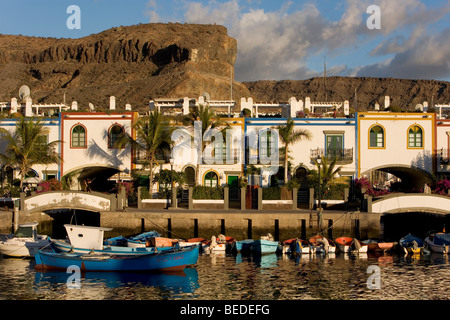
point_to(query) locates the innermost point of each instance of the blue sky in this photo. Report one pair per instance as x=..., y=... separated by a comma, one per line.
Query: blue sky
x=277, y=40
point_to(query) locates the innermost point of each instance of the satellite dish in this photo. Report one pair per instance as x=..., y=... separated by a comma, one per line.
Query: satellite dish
x=91, y=106
x=24, y=92
x=419, y=107
x=207, y=96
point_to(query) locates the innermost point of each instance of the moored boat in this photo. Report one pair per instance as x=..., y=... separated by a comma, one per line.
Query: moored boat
x=24, y=243
x=297, y=246
x=350, y=245
x=243, y=245
x=220, y=244
x=411, y=244
x=375, y=245
x=87, y=239
x=141, y=240
x=322, y=244
x=438, y=242
x=169, y=260
x=265, y=244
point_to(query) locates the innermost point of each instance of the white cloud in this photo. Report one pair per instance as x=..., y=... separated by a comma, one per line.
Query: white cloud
x=151, y=11
x=275, y=45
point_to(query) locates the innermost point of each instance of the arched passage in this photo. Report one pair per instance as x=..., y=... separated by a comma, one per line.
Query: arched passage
x=412, y=179
x=95, y=178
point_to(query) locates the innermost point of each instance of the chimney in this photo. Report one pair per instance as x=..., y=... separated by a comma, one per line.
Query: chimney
x=112, y=103
x=28, y=109
x=74, y=106
x=13, y=105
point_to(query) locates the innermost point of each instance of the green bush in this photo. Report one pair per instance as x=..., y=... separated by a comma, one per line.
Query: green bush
x=335, y=192
x=272, y=193
x=201, y=193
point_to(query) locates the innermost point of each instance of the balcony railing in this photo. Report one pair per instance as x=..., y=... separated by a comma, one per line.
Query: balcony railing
x=341, y=155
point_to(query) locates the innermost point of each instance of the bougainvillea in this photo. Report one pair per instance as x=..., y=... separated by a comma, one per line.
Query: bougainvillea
x=50, y=185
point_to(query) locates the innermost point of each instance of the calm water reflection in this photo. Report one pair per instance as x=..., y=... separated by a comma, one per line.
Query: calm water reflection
x=238, y=277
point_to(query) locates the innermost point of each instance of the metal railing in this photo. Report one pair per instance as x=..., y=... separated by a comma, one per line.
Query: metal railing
x=332, y=154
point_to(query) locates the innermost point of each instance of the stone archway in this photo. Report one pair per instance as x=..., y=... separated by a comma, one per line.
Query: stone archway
x=412, y=179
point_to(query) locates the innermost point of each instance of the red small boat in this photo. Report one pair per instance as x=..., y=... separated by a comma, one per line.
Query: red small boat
x=378, y=246
x=346, y=244
x=317, y=242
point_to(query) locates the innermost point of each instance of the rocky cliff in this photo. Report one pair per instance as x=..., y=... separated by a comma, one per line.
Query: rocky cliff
x=134, y=64
x=403, y=93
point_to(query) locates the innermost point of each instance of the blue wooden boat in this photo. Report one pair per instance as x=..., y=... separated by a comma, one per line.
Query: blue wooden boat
x=87, y=239
x=66, y=247
x=265, y=246
x=162, y=261
x=244, y=245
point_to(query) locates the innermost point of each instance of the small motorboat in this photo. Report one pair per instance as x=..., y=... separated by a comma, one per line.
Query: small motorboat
x=220, y=244
x=350, y=245
x=322, y=244
x=297, y=246
x=141, y=240
x=266, y=244
x=161, y=261
x=411, y=244
x=375, y=245
x=438, y=242
x=24, y=243
x=244, y=245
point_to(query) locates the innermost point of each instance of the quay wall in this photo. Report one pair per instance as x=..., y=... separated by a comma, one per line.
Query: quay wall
x=242, y=225
x=238, y=224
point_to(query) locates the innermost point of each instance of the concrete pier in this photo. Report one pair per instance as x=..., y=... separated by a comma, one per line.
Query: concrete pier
x=239, y=224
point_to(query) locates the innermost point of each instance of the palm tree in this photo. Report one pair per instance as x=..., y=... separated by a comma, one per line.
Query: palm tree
x=27, y=146
x=153, y=133
x=323, y=178
x=288, y=137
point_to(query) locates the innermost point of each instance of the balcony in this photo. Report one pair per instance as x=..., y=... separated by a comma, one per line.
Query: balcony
x=342, y=156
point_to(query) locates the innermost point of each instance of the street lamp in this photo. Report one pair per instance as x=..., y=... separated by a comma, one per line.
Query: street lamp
x=319, y=194
x=173, y=198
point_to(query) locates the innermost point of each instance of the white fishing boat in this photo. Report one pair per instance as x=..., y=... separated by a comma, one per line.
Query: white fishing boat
x=25, y=242
x=438, y=242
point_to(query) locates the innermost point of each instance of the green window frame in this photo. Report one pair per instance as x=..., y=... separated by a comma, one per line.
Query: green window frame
x=334, y=146
x=377, y=137
x=211, y=179
x=78, y=137
x=415, y=137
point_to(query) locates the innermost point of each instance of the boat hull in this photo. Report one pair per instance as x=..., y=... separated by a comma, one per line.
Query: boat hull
x=264, y=246
x=161, y=261
x=22, y=248
x=344, y=244
x=244, y=245
x=441, y=247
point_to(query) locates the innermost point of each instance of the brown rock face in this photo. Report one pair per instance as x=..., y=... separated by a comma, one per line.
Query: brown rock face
x=134, y=64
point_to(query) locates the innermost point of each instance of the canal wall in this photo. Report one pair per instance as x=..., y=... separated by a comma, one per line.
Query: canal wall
x=244, y=225
x=282, y=225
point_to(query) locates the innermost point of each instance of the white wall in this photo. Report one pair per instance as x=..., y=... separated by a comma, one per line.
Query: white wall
x=396, y=150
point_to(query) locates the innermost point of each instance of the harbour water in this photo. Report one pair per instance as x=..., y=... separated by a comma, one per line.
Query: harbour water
x=244, y=278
